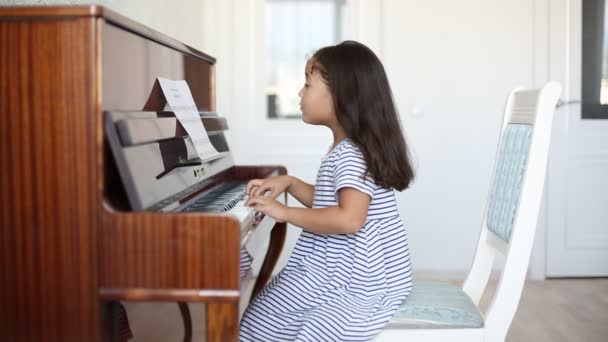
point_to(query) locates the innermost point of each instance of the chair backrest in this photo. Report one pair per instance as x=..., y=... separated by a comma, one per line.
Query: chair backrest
x=514, y=203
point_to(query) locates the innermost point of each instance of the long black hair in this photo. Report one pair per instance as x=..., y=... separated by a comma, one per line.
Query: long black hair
x=365, y=108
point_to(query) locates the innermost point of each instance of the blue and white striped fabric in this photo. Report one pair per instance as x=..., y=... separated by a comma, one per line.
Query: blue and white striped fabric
x=245, y=262
x=342, y=287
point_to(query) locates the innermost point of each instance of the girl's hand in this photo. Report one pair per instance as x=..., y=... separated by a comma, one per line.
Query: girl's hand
x=276, y=185
x=268, y=206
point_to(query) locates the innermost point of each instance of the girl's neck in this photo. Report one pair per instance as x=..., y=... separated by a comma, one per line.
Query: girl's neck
x=339, y=135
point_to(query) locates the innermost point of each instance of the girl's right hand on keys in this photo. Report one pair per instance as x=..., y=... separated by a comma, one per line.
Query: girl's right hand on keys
x=276, y=185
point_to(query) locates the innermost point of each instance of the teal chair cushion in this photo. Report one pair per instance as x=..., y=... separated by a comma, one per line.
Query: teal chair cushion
x=435, y=305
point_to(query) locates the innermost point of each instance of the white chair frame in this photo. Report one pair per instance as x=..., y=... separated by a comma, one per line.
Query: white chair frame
x=529, y=106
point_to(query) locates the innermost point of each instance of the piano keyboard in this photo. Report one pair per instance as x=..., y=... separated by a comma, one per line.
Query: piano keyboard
x=229, y=198
x=219, y=199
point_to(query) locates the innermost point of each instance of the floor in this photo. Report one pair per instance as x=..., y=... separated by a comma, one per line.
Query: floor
x=552, y=310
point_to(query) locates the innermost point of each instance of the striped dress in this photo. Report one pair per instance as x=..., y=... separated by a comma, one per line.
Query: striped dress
x=339, y=287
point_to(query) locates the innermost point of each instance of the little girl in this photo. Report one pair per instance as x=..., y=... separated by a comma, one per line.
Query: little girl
x=350, y=269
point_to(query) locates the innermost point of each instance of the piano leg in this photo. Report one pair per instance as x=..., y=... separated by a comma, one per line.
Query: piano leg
x=116, y=323
x=277, y=240
x=222, y=318
x=187, y=319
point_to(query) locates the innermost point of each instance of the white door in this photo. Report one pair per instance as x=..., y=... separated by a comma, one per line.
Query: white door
x=577, y=187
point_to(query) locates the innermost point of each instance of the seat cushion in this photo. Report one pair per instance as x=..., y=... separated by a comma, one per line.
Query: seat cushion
x=436, y=305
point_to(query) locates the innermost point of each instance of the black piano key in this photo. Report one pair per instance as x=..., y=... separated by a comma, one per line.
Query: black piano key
x=219, y=199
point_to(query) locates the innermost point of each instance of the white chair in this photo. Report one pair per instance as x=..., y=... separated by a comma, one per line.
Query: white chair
x=444, y=312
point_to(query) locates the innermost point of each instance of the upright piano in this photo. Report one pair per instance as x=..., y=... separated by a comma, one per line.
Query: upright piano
x=103, y=197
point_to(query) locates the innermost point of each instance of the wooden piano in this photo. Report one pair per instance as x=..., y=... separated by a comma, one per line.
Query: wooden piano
x=102, y=198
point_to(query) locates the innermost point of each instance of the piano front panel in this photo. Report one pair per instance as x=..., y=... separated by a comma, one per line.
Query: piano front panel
x=131, y=64
x=159, y=251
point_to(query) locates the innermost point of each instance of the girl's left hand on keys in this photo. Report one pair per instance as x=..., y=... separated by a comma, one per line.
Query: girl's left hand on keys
x=268, y=206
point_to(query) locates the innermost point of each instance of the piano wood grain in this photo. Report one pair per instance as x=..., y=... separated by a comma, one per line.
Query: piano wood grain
x=50, y=180
x=169, y=251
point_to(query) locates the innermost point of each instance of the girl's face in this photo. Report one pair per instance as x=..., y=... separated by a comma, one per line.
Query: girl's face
x=316, y=102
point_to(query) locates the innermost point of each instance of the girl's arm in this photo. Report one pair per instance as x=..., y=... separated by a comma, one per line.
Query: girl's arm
x=347, y=217
x=301, y=191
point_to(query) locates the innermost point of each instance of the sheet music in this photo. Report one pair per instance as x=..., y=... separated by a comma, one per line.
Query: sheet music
x=178, y=96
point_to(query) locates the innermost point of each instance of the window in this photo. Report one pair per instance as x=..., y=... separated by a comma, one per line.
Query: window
x=293, y=30
x=595, y=60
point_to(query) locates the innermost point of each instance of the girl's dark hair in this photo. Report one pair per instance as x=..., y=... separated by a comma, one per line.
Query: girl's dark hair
x=365, y=108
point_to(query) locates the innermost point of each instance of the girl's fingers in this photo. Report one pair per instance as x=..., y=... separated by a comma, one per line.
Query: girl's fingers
x=252, y=201
x=252, y=190
x=253, y=183
x=262, y=189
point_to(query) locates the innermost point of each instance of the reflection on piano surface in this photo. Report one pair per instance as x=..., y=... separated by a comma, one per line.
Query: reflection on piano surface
x=112, y=204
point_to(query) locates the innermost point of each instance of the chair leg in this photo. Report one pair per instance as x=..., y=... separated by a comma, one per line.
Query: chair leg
x=187, y=319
